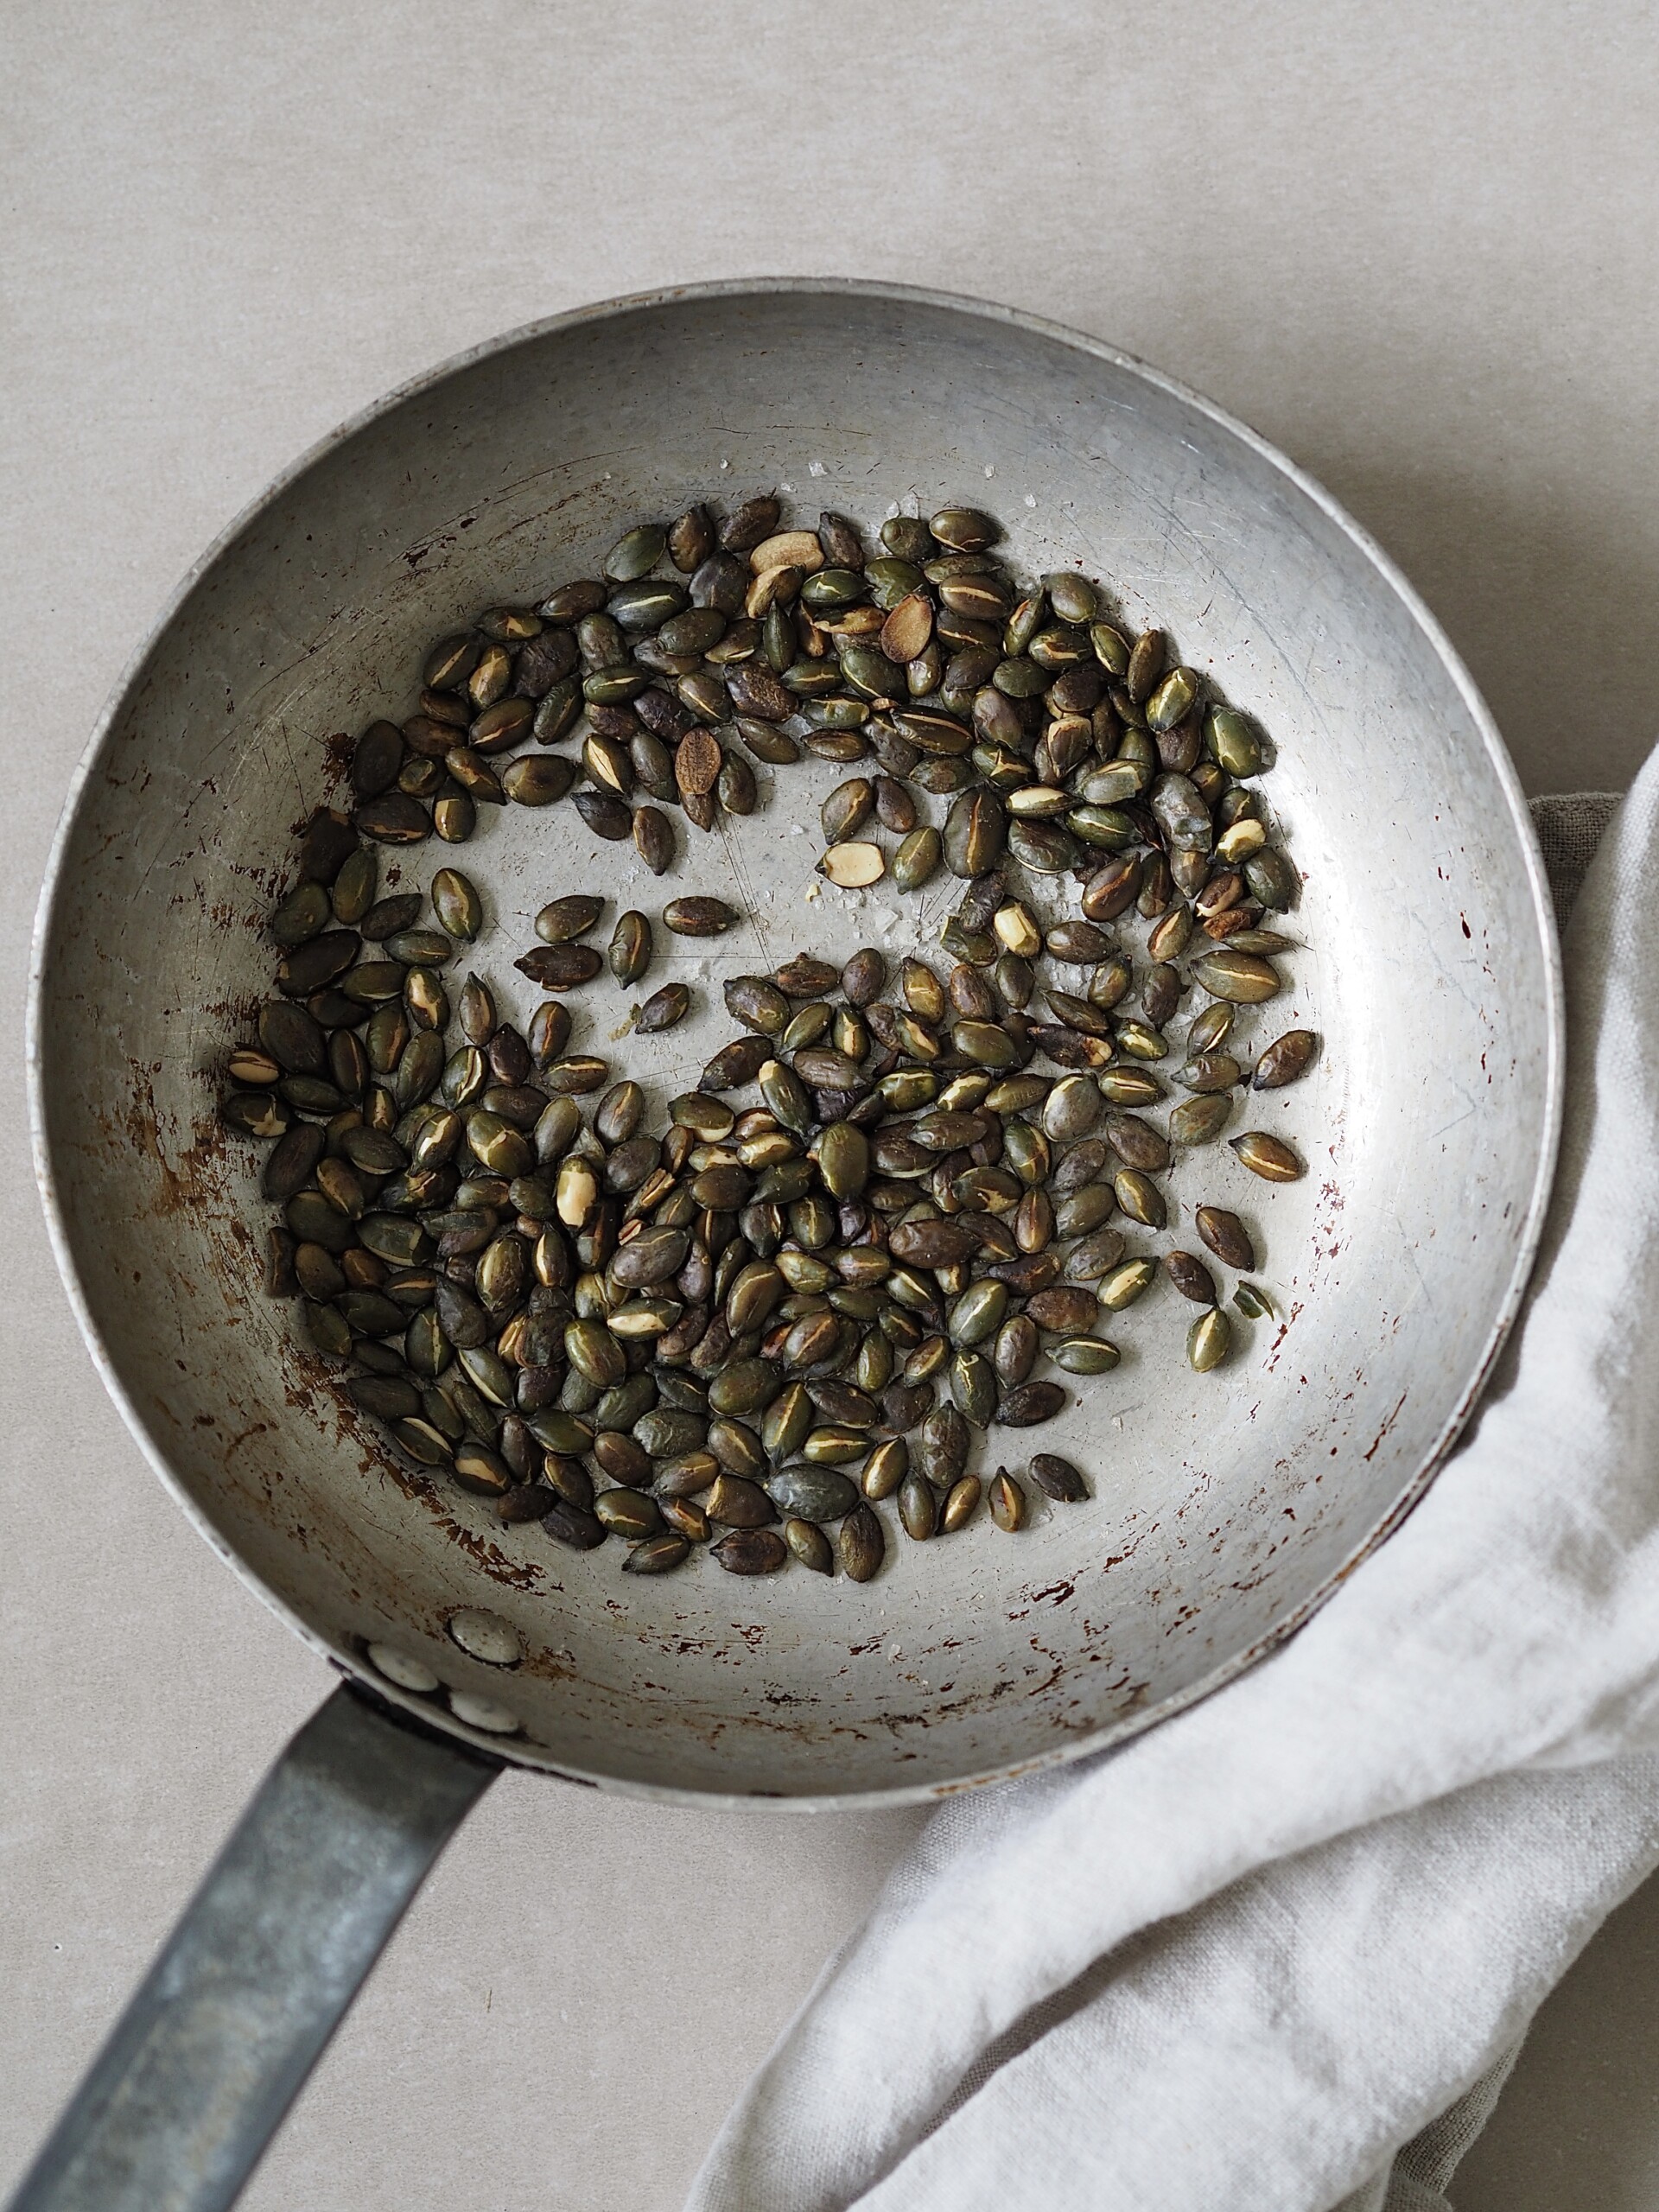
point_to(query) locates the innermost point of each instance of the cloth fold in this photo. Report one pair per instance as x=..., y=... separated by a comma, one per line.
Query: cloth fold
x=1239, y=1961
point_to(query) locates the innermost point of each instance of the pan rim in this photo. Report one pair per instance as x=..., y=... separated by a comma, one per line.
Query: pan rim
x=513, y=1751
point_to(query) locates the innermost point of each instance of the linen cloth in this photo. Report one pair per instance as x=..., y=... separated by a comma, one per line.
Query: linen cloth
x=1237, y=1964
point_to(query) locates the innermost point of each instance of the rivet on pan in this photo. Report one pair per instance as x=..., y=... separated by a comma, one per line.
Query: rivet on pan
x=485, y=1636
x=397, y=1667
x=483, y=1713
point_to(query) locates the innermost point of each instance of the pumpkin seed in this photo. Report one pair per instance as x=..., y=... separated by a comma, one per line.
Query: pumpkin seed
x=1085, y=1356
x=861, y=1544
x=1226, y=1236
x=1140, y=1197
x=1286, y=1060
x=752, y=1551
x=1057, y=1477
x=1008, y=1502
x=1271, y=879
x=963, y=529
x=854, y=867
x=1266, y=1156
x=1231, y=743
x=1199, y=1120
x=1241, y=978
x=627, y=1512
x=699, y=917
x=630, y=947
x=917, y=858
x=531, y=781
x=1209, y=1340
x=691, y=539
x=1209, y=1072
x=635, y=553
x=810, y=1545
x=1120, y=1286
x=560, y=967
x=1172, y=700
x=657, y=1555
x=1029, y=1403
x=809, y=1492
x=1191, y=1277
x=564, y=919
x=1072, y=597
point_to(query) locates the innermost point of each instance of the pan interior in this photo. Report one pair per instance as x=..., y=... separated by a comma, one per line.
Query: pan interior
x=1224, y=1504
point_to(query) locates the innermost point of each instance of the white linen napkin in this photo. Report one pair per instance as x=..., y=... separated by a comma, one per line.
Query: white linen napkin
x=1235, y=1965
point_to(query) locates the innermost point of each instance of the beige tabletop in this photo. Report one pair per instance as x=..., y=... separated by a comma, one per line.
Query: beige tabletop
x=1413, y=244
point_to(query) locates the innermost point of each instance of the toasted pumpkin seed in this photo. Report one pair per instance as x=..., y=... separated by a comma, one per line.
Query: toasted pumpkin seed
x=1268, y=1156
x=1209, y=1340
x=699, y=917
x=1226, y=1236
x=1008, y=1502
x=630, y=949
x=1286, y=1060
x=854, y=865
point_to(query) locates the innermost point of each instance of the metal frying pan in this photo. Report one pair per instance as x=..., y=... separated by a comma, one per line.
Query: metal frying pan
x=1226, y=1507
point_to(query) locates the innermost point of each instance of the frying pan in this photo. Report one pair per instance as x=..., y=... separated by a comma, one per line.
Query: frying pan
x=1225, y=1508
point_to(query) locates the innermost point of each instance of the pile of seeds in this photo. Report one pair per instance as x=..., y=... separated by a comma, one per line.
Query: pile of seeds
x=894, y=1196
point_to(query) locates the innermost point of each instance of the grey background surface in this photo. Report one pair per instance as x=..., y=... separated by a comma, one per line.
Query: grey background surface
x=1413, y=245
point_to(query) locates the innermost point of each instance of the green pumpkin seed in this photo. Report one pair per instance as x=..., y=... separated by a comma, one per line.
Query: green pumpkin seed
x=1199, y=1121
x=1072, y=597
x=861, y=1544
x=809, y=1492
x=303, y=915
x=1008, y=1502
x=1172, y=700
x=975, y=832
x=917, y=858
x=630, y=948
x=963, y=530
x=919, y=1508
x=1058, y=1478
x=1140, y=1042
x=1084, y=1355
x=972, y=1382
x=1242, y=978
x=1271, y=879
x=645, y=605
x=810, y=1545
x=657, y=1555
x=456, y=903
x=1208, y=1341
x=1210, y=1029
x=1120, y=1286
x=1140, y=1197
x=1231, y=743
x=961, y=1503
x=635, y=553
x=978, y=1314
x=1265, y=1156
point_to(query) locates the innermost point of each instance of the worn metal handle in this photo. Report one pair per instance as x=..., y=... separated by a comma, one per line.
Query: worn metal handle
x=214, y=2046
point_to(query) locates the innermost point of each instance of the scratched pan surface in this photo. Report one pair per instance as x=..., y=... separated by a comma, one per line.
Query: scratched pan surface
x=1224, y=1507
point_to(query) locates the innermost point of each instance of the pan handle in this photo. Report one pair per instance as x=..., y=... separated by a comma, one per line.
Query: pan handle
x=213, y=2049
